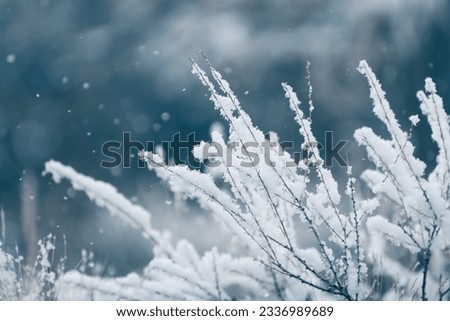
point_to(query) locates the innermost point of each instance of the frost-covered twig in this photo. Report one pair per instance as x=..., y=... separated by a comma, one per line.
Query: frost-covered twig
x=106, y=196
x=423, y=201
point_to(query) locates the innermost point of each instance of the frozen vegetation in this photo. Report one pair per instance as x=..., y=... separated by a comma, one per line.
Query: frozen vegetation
x=390, y=245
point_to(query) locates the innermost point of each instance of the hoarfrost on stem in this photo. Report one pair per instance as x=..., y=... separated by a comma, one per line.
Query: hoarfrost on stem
x=270, y=208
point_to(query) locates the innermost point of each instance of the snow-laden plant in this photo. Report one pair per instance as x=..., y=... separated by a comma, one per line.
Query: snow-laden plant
x=9, y=284
x=271, y=207
x=419, y=221
x=31, y=282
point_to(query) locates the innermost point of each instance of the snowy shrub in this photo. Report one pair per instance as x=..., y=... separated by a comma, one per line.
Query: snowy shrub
x=271, y=207
x=9, y=286
x=36, y=282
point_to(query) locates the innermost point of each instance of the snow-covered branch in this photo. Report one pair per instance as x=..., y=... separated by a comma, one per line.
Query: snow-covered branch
x=271, y=205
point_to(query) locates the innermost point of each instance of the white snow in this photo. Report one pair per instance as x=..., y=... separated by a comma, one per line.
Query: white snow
x=11, y=58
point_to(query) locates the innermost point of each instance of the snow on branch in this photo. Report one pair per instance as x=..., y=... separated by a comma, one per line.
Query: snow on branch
x=9, y=285
x=421, y=224
x=185, y=276
x=432, y=107
x=268, y=197
x=107, y=196
x=296, y=235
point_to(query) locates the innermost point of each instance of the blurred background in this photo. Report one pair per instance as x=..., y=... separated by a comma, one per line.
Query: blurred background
x=76, y=74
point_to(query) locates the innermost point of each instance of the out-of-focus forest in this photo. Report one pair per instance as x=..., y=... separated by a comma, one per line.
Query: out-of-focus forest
x=76, y=74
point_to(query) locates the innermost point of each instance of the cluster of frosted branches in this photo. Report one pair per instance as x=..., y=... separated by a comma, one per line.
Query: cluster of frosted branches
x=8, y=279
x=36, y=282
x=267, y=200
x=420, y=218
x=272, y=206
x=175, y=273
x=184, y=276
